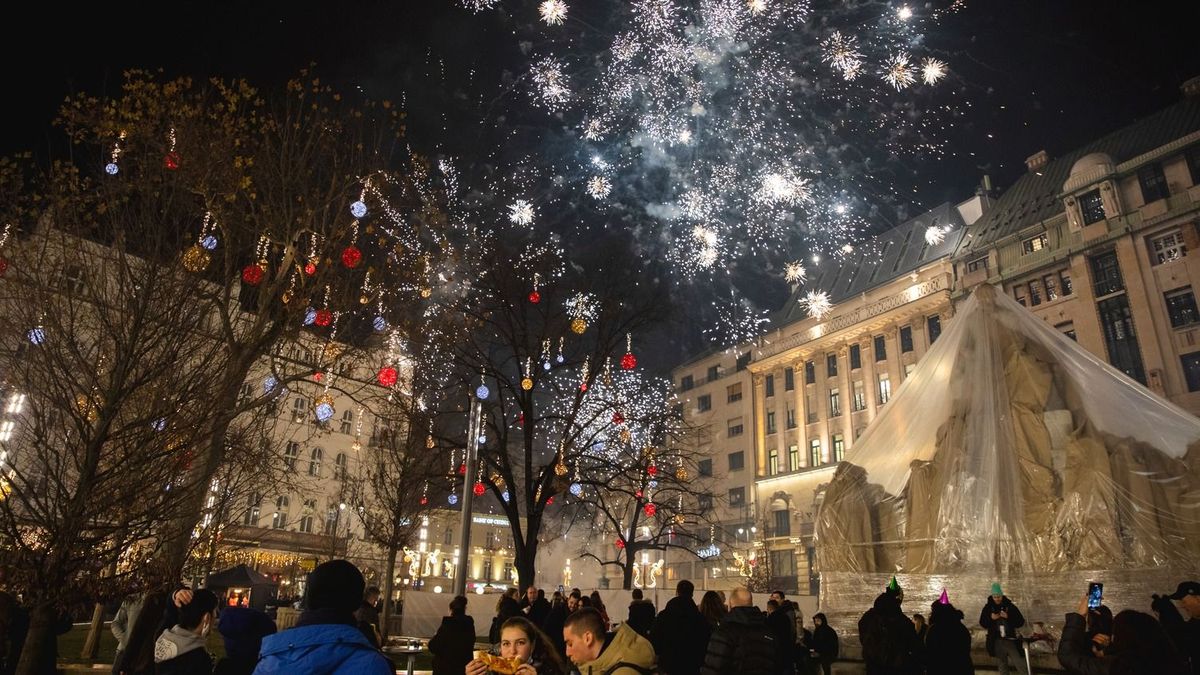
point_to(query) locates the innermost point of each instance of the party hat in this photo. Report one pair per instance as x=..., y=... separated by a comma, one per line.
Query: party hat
x=893, y=586
x=945, y=599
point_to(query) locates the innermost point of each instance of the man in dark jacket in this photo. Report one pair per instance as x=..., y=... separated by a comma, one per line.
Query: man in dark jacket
x=326, y=639
x=680, y=633
x=1002, y=618
x=368, y=616
x=243, y=629
x=1185, y=634
x=742, y=644
x=641, y=614
x=779, y=623
x=536, y=606
x=180, y=649
x=453, y=645
x=889, y=641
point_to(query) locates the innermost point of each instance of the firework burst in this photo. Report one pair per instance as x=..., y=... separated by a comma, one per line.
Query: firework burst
x=521, y=212
x=898, y=72
x=794, y=273
x=554, y=12
x=932, y=70
x=817, y=304
x=599, y=187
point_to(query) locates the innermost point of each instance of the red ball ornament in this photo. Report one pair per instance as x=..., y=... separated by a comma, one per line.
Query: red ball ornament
x=462, y=469
x=351, y=256
x=3, y=266
x=171, y=160
x=549, y=501
x=521, y=419
x=310, y=268
x=650, y=508
x=387, y=376
x=424, y=501
x=252, y=274
x=618, y=418
x=639, y=494
x=629, y=361
x=619, y=543
x=583, y=386
x=318, y=376
x=535, y=297
x=478, y=489
x=324, y=317
x=652, y=470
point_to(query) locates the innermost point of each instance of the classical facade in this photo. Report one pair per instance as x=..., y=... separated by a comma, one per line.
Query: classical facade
x=1100, y=243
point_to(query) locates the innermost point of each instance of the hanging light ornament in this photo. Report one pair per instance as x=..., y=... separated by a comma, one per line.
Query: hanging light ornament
x=618, y=418
x=629, y=361
x=387, y=376
x=351, y=256
x=113, y=167
x=580, y=308
x=323, y=317
x=452, y=499
x=171, y=159
x=559, y=358
x=619, y=543
x=583, y=375
x=3, y=241
x=681, y=473
x=478, y=489
x=253, y=274
x=560, y=467
x=324, y=408
x=534, y=296
x=358, y=208
x=310, y=267
x=650, y=508
x=527, y=381
x=195, y=259
x=425, y=493
x=652, y=470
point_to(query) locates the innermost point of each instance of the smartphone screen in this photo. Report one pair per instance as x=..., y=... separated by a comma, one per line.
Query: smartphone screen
x=1095, y=594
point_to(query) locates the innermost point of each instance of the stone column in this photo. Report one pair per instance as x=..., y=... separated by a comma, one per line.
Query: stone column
x=798, y=396
x=870, y=383
x=891, y=337
x=847, y=397
x=758, y=425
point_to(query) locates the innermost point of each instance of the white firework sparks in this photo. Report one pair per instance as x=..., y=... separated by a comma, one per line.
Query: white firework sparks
x=582, y=306
x=599, y=187
x=794, y=272
x=478, y=5
x=553, y=12
x=593, y=130
x=782, y=188
x=898, y=72
x=817, y=303
x=841, y=53
x=904, y=12
x=932, y=70
x=756, y=7
x=737, y=323
x=521, y=212
x=551, y=83
x=934, y=235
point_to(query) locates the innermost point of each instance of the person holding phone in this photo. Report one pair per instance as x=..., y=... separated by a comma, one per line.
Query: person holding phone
x=1139, y=645
x=1001, y=617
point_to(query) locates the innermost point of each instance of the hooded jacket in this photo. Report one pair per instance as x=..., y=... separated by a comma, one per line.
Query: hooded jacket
x=679, y=636
x=453, y=645
x=742, y=645
x=321, y=649
x=641, y=616
x=625, y=653
x=179, y=651
x=947, y=643
x=888, y=638
x=1015, y=620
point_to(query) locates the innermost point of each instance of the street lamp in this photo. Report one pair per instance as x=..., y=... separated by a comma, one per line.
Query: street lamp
x=474, y=422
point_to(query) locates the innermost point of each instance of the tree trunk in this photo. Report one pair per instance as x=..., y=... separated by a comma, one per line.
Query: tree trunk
x=526, y=562
x=36, y=654
x=627, y=575
x=388, y=589
x=91, y=646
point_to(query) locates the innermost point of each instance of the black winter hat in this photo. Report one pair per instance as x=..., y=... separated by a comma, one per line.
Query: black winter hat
x=337, y=585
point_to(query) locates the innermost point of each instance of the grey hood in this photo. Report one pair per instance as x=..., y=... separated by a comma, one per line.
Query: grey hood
x=176, y=642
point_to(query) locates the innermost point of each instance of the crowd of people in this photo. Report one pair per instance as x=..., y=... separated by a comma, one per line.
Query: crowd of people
x=574, y=632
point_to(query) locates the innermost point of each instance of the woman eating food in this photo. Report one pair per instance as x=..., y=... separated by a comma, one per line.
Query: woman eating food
x=524, y=650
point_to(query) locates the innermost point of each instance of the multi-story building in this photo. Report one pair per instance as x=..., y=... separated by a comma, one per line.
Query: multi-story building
x=1100, y=243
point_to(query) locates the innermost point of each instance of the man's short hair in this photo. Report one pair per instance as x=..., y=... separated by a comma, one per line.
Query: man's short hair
x=586, y=620
x=576, y=594
x=685, y=589
x=779, y=593
x=203, y=603
x=541, y=594
x=371, y=590
x=637, y=594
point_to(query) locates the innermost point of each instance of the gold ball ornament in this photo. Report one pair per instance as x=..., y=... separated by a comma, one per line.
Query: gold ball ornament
x=578, y=326
x=429, y=442
x=681, y=473
x=426, y=292
x=678, y=519
x=195, y=258
x=526, y=384
x=560, y=469
x=626, y=436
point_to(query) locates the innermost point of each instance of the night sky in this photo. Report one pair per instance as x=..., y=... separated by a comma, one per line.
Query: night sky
x=1027, y=74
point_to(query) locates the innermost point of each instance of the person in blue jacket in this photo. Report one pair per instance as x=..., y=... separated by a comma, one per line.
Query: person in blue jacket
x=326, y=639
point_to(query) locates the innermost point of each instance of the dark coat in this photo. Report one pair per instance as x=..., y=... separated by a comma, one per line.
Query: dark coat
x=195, y=662
x=553, y=626
x=1075, y=650
x=538, y=611
x=1185, y=634
x=741, y=645
x=680, y=636
x=1015, y=620
x=783, y=629
x=948, y=644
x=508, y=609
x=889, y=639
x=641, y=617
x=825, y=643
x=453, y=645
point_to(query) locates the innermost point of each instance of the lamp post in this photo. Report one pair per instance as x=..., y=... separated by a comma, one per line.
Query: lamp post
x=474, y=423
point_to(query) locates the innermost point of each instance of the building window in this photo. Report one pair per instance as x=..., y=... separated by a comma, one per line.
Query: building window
x=1091, y=206
x=835, y=403
x=794, y=457
x=855, y=357
x=314, y=462
x=860, y=397
x=1064, y=278
x=814, y=452
x=1106, y=274
x=885, y=388
x=783, y=528
x=252, y=513
x=935, y=327
x=769, y=385
x=1035, y=293
x=704, y=403
x=1193, y=163
x=686, y=383
x=771, y=422
x=906, y=342
x=977, y=264
x=1117, y=323
x=908, y=368
x=1191, y=370
x=279, y=520
x=299, y=409
x=880, y=349
x=1050, y=283
x=712, y=373
x=810, y=372
x=290, y=454
x=704, y=467
x=773, y=462
x=73, y=280
x=737, y=461
x=737, y=496
x=733, y=393
x=1153, y=182
x=331, y=521
x=735, y=428
x=791, y=418
x=704, y=501
x=1020, y=291
x=1033, y=244
x=1067, y=328
x=839, y=448
x=742, y=362
x=831, y=365
x=339, y=467
x=1181, y=307
x=783, y=564
x=1167, y=247
x=789, y=379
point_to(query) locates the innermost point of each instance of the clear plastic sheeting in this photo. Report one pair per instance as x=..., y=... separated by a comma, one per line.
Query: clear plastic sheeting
x=1011, y=451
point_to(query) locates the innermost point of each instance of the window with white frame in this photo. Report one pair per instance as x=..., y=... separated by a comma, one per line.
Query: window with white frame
x=314, y=462
x=291, y=454
x=1033, y=244
x=1166, y=247
x=860, y=396
x=339, y=467
x=279, y=520
x=347, y=422
x=300, y=406
x=885, y=388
